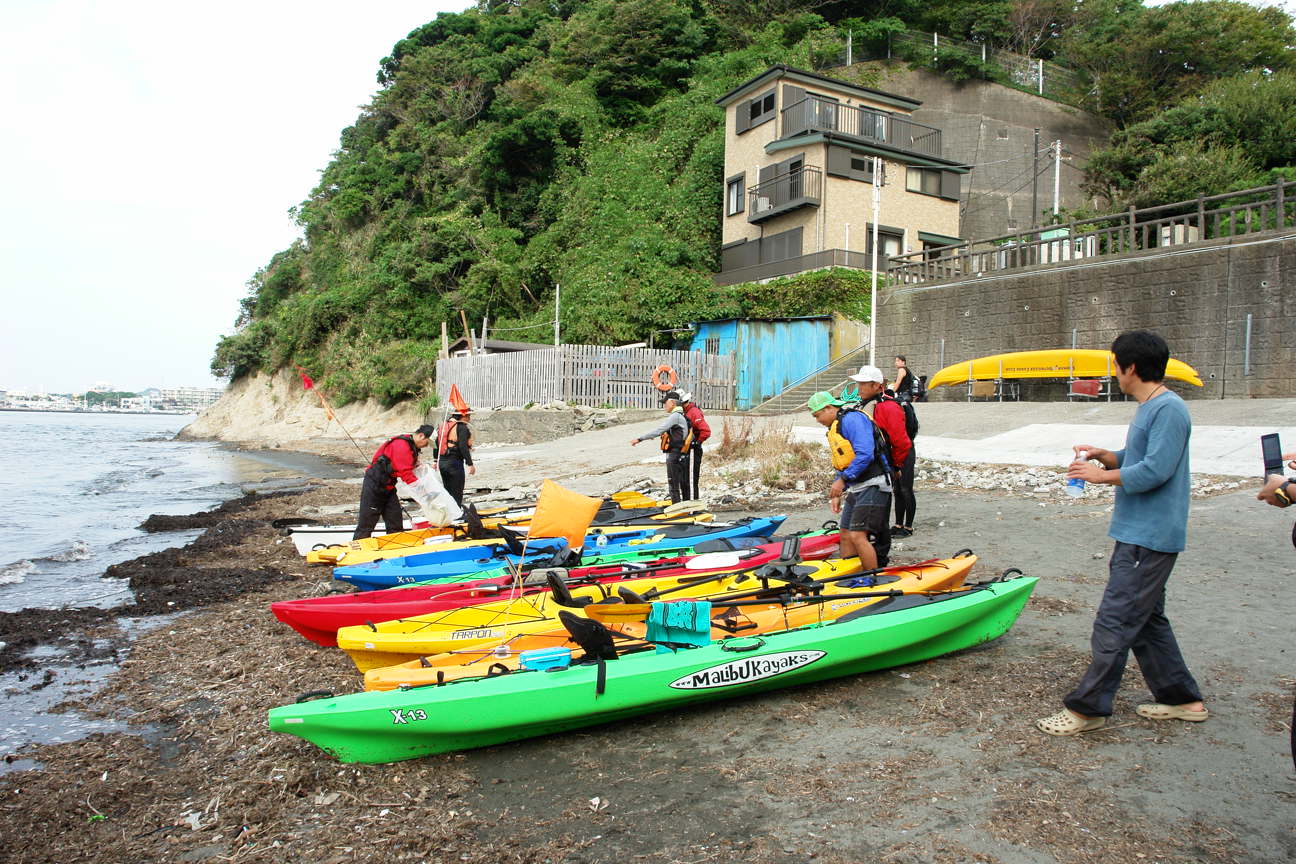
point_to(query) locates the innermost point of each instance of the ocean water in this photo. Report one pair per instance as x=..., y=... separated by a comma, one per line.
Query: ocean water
x=75, y=487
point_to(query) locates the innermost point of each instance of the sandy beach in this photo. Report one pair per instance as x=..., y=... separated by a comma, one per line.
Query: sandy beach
x=935, y=762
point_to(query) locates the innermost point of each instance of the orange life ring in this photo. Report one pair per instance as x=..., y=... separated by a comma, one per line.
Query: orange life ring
x=673, y=379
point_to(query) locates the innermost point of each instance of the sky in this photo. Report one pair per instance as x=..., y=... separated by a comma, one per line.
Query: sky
x=149, y=153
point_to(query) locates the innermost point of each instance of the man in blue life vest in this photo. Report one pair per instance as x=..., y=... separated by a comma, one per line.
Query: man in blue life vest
x=394, y=460
x=862, y=491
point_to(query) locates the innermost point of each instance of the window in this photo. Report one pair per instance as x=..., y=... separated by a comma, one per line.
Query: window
x=924, y=180
x=760, y=109
x=735, y=192
x=890, y=241
x=853, y=166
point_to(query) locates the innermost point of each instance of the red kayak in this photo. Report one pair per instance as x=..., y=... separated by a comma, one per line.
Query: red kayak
x=318, y=618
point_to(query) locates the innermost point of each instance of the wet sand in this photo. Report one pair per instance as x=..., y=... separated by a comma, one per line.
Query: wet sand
x=933, y=762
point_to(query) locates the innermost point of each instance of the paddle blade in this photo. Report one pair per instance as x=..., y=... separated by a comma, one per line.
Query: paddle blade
x=561, y=512
x=713, y=561
x=618, y=613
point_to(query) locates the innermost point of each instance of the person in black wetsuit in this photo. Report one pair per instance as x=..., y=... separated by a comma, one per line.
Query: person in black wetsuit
x=454, y=454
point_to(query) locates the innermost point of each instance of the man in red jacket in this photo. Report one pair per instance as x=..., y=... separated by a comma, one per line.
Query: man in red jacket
x=395, y=459
x=701, y=432
x=890, y=416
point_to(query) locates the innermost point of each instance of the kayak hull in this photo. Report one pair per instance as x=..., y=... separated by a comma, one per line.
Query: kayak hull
x=1049, y=363
x=319, y=618
x=464, y=561
x=840, y=598
x=376, y=727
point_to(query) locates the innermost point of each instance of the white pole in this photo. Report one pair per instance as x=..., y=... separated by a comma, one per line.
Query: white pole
x=1057, y=173
x=877, y=207
x=485, y=318
x=1041, y=76
x=557, y=313
x=848, y=242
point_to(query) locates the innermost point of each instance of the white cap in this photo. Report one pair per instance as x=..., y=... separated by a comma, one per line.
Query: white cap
x=868, y=375
x=685, y=396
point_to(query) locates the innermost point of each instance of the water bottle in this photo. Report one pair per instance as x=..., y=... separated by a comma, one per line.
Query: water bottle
x=1075, y=485
x=601, y=541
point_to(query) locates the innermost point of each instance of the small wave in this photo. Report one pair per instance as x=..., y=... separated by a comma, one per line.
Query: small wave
x=15, y=574
x=78, y=551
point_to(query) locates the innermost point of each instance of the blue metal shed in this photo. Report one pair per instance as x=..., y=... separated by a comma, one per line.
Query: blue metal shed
x=769, y=354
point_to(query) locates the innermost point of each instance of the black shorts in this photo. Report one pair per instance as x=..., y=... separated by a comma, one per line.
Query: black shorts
x=869, y=509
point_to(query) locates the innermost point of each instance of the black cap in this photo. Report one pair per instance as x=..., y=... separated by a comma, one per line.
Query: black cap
x=669, y=395
x=425, y=430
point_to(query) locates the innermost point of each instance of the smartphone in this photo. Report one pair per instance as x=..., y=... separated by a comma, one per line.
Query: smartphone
x=1271, y=450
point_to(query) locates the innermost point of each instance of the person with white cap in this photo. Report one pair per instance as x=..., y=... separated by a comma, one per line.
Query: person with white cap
x=862, y=491
x=890, y=415
x=701, y=432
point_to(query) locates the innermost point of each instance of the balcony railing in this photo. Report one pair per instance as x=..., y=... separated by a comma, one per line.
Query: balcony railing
x=1213, y=218
x=799, y=188
x=813, y=114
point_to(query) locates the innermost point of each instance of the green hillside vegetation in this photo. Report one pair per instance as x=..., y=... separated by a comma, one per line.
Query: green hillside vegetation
x=521, y=145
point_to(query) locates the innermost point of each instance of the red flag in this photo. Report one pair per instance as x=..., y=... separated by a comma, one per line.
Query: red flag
x=457, y=400
x=306, y=379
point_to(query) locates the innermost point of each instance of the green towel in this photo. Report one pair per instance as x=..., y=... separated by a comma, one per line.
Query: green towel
x=682, y=622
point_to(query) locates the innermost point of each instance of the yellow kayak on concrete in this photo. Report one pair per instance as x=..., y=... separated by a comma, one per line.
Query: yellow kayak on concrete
x=1049, y=363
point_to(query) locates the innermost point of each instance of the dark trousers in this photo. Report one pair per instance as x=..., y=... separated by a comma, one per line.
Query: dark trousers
x=677, y=476
x=452, y=476
x=695, y=461
x=905, y=503
x=1132, y=616
x=377, y=500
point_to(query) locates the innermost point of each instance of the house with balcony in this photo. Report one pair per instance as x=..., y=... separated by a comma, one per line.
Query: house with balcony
x=799, y=176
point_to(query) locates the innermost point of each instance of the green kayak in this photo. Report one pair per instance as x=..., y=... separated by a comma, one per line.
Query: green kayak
x=405, y=724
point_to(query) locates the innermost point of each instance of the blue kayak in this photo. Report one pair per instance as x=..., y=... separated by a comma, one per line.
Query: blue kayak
x=407, y=569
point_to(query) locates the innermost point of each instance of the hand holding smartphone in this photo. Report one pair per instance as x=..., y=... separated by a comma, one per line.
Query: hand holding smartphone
x=1271, y=451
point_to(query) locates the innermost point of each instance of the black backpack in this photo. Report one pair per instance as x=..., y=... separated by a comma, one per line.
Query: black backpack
x=911, y=419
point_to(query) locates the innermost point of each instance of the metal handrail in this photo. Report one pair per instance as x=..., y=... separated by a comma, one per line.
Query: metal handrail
x=817, y=114
x=1248, y=211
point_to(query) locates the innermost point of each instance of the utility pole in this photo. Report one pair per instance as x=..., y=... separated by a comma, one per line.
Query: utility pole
x=877, y=207
x=557, y=314
x=1035, y=182
x=1057, y=175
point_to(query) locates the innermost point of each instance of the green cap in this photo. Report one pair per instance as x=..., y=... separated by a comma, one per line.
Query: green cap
x=822, y=400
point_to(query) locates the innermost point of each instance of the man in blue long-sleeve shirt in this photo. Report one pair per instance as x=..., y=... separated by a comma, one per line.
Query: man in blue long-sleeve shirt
x=1150, y=526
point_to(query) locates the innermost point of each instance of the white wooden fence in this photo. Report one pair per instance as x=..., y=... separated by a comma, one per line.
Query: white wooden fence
x=593, y=375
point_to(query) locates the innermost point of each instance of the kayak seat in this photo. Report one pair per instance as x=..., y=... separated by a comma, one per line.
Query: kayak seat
x=511, y=541
x=476, y=530
x=630, y=596
x=592, y=637
x=562, y=594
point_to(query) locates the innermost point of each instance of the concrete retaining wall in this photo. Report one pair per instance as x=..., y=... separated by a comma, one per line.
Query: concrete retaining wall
x=1197, y=296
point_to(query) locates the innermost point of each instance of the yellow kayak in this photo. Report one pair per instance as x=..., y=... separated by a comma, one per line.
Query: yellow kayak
x=491, y=518
x=746, y=620
x=1050, y=363
x=422, y=541
x=373, y=646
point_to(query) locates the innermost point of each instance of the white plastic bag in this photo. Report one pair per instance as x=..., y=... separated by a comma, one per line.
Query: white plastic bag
x=437, y=505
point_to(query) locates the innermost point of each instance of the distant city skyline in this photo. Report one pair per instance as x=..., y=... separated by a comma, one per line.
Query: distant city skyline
x=154, y=149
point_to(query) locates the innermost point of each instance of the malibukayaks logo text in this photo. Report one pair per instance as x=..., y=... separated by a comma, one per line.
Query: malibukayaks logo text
x=746, y=670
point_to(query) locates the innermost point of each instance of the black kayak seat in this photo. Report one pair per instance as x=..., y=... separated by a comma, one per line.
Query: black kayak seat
x=562, y=593
x=593, y=638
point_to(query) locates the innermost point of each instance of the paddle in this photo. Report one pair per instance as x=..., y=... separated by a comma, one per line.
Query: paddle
x=619, y=613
